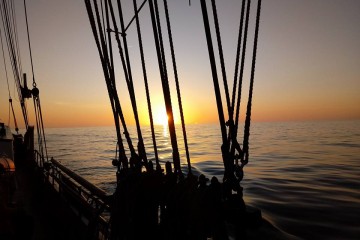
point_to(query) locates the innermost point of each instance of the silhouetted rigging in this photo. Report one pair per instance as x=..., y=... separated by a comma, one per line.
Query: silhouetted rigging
x=140, y=193
x=8, y=16
x=233, y=171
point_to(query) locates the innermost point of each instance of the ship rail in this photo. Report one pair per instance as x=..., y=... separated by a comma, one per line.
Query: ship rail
x=88, y=202
x=38, y=158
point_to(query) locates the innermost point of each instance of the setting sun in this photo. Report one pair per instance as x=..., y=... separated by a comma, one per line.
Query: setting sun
x=160, y=116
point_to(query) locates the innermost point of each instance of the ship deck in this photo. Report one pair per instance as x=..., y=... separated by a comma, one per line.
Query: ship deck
x=31, y=209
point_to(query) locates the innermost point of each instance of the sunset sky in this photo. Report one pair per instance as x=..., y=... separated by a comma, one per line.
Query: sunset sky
x=308, y=62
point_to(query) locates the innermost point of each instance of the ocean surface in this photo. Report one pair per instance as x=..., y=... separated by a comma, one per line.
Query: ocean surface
x=304, y=176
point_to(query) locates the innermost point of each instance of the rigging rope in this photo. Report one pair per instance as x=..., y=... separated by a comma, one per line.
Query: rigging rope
x=125, y=61
x=230, y=139
x=40, y=125
x=110, y=81
x=177, y=85
x=9, y=23
x=224, y=147
x=36, y=98
x=118, y=108
x=233, y=128
x=222, y=63
x=16, y=35
x=242, y=66
x=13, y=113
x=28, y=36
x=249, y=104
x=8, y=87
x=154, y=13
x=158, y=167
x=136, y=13
x=122, y=158
x=237, y=56
x=127, y=136
x=102, y=15
x=235, y=145
x=6, y=73
x=141, y=146
x=230, y=107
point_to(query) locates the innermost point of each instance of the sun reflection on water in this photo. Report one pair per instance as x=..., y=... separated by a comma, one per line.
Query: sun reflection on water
x=165, y=131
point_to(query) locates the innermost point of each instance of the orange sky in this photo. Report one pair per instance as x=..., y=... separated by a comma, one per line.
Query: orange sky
x=307, y=64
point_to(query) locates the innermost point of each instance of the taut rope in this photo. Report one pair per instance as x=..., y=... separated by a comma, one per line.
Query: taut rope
x=249, y=104
x=165, y=83
x=233, y=172
x=146, y=83
x=177, y=85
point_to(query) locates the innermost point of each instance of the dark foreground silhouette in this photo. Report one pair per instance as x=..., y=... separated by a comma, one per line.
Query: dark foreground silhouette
x=153, y=205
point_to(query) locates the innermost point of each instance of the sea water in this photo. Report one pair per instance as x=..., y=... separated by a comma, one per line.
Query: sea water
x=304, y=176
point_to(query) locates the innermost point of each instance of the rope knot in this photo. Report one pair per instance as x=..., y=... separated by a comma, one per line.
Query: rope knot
x=35, y=92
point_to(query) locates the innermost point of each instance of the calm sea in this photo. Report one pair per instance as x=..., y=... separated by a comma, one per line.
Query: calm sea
x=304, y=176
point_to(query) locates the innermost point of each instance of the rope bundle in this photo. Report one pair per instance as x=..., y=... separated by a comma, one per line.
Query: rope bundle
x=8, y=16
x=231, y=150
x=105, y=24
